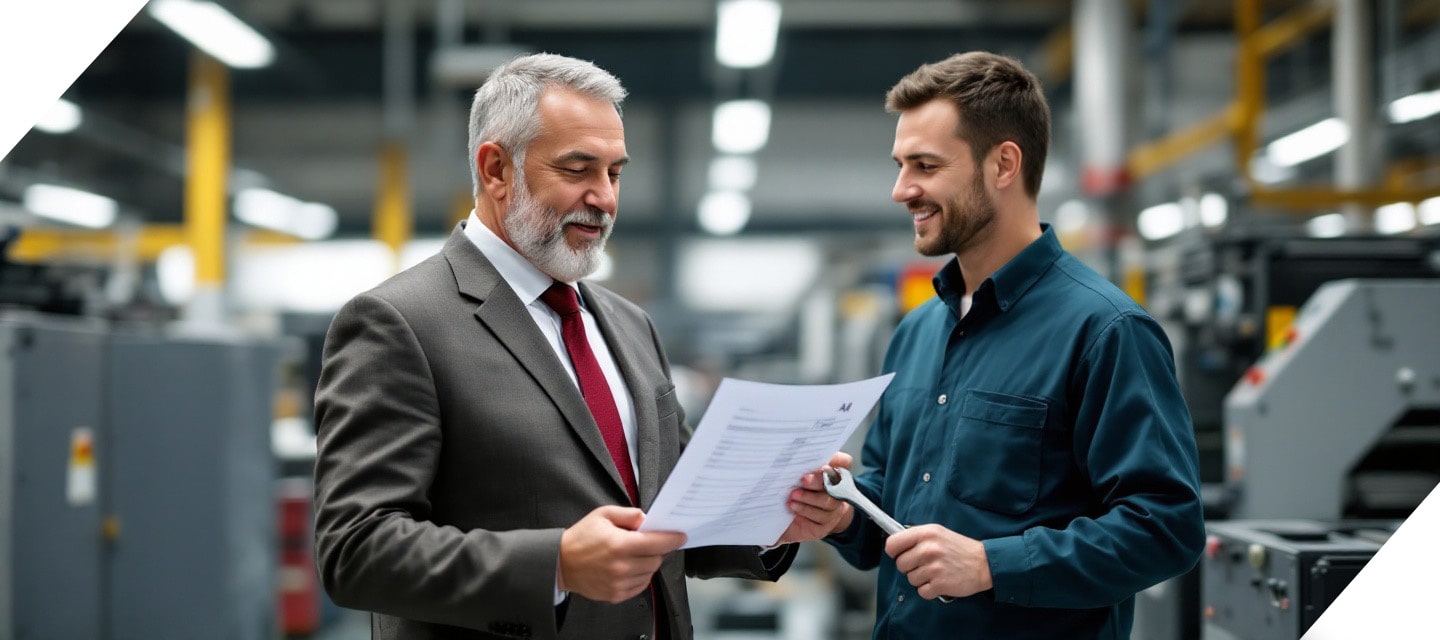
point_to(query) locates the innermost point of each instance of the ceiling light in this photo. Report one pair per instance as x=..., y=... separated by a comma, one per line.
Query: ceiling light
x=745, y=32
x=1311, y=142
x=1330, y=225
x=215, y=31
x=732, y=173
x=279, y=212
x=724, y=213
x=1395, y=218
x=1416, y=106
x=741, y=126
x=63, y=117
x=69, y=205
x=1429, y=211
x=1161, y=221
x=1214, y=209
x=1071, y=216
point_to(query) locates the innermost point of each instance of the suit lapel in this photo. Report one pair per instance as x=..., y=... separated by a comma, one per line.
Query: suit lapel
x=647, y=447
x=502, y=313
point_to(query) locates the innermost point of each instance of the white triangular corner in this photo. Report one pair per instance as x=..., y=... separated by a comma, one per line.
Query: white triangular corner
x=44, y=46
x=1397, y=595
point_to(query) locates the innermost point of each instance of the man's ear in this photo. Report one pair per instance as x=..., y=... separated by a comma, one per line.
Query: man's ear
x=496, y=173
x=1007, y=157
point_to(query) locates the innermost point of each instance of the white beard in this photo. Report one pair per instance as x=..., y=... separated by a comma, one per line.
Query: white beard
x=538, y=232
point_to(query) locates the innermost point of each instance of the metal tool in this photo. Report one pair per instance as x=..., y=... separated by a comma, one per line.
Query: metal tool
x=839, y=483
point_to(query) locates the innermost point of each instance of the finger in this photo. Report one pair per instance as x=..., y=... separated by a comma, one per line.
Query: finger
x=622, y=517
x=901, y=542
x=654, y=543
x=817, y=499
x=812, y=514
x=927, y=590
x=841, y=460
x=812, y=482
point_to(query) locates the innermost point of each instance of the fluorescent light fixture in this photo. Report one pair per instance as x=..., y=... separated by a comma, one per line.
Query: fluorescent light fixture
x=215, y=31
x=1395, y=218
x=63, y=117
x=315, y=277
x=724, y=213
x=1429, y=211
x=741, y=126
x=1265, y=171
x=1330, y=225
x=732, y=173
x=1416, y=106
x=175, y=272
x=71, y=206
x=1311, y=142
x=1161, y=221
x=745, y=32
x=1071, y=216
x=1214, y=209
x=759, y=275
x=279, y=212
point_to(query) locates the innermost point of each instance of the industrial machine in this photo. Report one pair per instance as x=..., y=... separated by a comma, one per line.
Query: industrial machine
x=1343, y=418
x=1303, y=402
x=136, y=482
x=1271, y=579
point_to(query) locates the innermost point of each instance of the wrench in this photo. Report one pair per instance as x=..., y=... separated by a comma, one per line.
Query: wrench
x=840, y=484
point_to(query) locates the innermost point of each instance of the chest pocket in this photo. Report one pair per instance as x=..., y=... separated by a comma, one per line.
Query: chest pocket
x=996, y=451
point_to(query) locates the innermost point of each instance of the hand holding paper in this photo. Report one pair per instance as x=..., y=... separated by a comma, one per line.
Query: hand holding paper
x=732, y=483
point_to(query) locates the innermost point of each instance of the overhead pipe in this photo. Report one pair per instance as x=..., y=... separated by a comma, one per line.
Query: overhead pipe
x=1240, y=120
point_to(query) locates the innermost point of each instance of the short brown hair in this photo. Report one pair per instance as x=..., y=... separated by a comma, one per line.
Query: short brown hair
x=997, y=99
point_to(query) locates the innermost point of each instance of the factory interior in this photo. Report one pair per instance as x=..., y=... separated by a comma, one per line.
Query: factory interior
x=1262, y=176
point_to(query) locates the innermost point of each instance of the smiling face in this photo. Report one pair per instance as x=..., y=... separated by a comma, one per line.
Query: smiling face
x=940, y=183
x=566, y=196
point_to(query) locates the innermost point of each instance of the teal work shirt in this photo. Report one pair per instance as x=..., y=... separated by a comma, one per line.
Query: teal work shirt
x=1048, y=424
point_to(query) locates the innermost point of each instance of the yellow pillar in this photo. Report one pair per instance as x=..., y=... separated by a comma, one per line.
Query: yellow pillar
x=207, y=164
x=394, y=222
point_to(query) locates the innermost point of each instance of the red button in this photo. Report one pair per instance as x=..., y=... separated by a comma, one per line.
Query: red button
x=1254, y=376
x=1212, y=546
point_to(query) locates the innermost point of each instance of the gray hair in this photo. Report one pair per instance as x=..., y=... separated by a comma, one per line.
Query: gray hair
x=506, y=108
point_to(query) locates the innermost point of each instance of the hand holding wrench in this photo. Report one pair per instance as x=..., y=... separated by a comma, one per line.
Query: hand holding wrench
x=839, y=483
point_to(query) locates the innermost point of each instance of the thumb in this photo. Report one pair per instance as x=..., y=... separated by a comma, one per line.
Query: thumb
x=623, y=517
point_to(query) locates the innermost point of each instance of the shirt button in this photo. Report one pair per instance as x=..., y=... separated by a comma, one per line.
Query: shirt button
x=942, y=399
x=900, y=598
x=925, y=477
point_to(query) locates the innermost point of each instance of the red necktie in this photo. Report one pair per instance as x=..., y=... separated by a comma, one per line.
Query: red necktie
x=561, y=297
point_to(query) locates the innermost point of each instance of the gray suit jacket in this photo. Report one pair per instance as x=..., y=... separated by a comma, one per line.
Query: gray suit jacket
x=454, y=449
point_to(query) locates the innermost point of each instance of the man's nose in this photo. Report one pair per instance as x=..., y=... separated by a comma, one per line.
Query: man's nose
x=604, y=196
x=904, y=190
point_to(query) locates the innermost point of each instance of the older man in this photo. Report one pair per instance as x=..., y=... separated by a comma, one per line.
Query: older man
x=490, y=429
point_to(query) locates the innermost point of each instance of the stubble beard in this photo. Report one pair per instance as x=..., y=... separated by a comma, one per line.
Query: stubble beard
x=538, y=232
x=967, y=221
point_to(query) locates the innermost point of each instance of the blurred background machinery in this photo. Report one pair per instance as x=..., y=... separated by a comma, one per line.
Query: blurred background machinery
x=136, y=484
x=1272, y=579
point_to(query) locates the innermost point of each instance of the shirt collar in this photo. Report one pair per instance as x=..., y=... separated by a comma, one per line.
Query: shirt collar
x=527, y=281
x=1011, y=281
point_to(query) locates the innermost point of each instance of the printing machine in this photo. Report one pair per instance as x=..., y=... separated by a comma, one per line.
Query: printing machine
x=1271, y=579
x=1315, y=395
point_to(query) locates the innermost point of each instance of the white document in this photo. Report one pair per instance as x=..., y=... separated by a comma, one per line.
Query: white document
x=731, y=483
